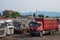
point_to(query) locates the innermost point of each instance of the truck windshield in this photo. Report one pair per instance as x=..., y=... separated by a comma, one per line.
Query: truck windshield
x=17, y=24
x=34, y=24
x=9, y=23
x=2, y=25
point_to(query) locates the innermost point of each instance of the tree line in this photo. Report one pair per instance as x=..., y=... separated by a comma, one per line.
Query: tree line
x=14, y=14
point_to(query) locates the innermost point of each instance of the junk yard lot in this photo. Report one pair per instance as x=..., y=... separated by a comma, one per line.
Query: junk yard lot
x=56, y=36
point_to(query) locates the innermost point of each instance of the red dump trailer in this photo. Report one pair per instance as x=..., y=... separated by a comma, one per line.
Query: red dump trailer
x=43, y=26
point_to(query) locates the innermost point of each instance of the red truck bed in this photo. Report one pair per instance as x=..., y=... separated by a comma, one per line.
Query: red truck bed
x=48, y=23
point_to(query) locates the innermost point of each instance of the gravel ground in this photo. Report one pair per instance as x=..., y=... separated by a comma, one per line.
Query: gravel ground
x=27, y=37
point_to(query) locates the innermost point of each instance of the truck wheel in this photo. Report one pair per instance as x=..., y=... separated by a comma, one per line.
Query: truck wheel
x=41, y=34
x=51, y=32
x=31, y=35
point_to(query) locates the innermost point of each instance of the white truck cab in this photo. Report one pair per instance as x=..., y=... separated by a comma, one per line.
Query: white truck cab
x=9, y=27
x=2, y=28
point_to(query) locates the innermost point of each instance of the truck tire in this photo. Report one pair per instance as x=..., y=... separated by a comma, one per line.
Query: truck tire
x=31, y=35
x=51, y=32
x=40, y=34
x=54, y=31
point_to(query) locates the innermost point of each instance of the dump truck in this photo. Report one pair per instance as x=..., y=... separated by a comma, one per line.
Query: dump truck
x=6, y=27
x=19, y=27
x=43, y=26
x=2, y=28
x=9, y=26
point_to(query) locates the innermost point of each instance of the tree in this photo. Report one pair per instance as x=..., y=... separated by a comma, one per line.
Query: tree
x=10, y=14
x=6, y=14
x=15, y=14
x=40, y=15
x=0, y=14
x=34, y=15
x=47, y=16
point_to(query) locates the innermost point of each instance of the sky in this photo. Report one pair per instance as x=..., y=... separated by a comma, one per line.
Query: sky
x=30, y=5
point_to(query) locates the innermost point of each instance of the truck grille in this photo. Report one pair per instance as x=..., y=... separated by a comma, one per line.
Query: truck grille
x=2, y=32
x=11, y=30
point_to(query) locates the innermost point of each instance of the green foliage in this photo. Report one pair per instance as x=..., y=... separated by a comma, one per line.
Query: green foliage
x=34, y=15
x=15, y=14
x=40, y=15
x=11, y=14
x=47, y=16
x=0, y=14
x=5, y=14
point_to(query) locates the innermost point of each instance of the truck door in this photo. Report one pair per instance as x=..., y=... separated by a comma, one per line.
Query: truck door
x=40, y=26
